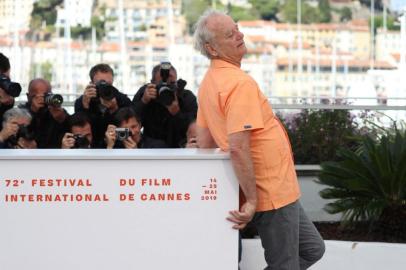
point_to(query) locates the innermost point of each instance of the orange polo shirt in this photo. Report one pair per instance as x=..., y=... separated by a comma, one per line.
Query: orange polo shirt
x=230, y=101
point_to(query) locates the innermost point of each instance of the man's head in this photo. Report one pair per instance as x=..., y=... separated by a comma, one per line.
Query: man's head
x=156, y=74
x=102, y=76
x=217, y=37
x=24, y=138
x=37, y=89
x=17, y=116
x=80, y=126
x=4, y=65
x=127, y=118
x=5, y=98
x=101, y=72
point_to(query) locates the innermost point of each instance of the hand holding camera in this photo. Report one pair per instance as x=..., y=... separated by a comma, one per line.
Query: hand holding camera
x=9, y=129
x=70, y=140
x=90, y=92
x=110, y=136
x=149, y=94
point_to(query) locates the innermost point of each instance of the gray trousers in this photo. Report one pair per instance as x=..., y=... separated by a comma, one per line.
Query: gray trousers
x=289, y=238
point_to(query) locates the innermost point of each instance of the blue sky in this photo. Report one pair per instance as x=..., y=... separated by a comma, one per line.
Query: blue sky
x=398, y=4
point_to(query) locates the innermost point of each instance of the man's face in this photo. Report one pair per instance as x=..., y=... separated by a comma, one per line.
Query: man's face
x=134, y=127
x=103, y=76
x=108, y=78
x=228, y=42
x=171, y=79
x=5, y=99
x=37, y=94
x=85, y=131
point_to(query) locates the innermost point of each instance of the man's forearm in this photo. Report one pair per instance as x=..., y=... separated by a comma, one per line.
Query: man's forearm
x=244, y=170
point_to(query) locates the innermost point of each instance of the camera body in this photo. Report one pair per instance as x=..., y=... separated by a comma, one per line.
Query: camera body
x=105, y=90
x=166, y=90
x=53, y=99
x=123, y=134
x=23, y=132
x=81, y=142
x=11, y=88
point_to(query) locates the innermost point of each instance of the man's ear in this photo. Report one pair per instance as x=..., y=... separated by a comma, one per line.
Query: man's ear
x=212, y=51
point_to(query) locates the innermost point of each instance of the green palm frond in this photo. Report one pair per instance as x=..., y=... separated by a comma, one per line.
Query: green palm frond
x=367, y=180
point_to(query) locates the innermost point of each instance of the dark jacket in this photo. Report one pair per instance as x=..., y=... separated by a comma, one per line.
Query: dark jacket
x=159, y=124
x=145, y=142
x=3, y=109
x=100, y=118
x=47, y=130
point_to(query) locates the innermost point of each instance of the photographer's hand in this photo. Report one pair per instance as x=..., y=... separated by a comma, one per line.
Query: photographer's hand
x=192, y=143
x=129, y=143
x=90, y=92
x=149, y=93
x=57, y=113
x=174, y=107
x=110, y=136
x=68, y=141
x=8, y=130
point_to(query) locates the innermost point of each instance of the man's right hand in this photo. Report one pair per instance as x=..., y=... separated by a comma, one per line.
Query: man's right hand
x=8, y=130
x=68, y=141
x=110, y=136
x=242, y=217
x=90, y=92
x=149, y=93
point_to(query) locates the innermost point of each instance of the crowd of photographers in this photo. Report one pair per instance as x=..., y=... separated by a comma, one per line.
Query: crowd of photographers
x=161, y=115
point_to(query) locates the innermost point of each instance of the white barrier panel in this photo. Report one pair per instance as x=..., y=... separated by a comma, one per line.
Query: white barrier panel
x=119, y=209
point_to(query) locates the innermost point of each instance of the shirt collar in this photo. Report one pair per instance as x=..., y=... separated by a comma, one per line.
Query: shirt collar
x=219, y=63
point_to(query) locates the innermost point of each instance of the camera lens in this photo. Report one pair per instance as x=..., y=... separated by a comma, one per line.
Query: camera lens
x=53, y=99
x=11, y=88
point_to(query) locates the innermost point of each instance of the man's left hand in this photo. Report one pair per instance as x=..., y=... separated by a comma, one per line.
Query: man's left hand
x=129, y=143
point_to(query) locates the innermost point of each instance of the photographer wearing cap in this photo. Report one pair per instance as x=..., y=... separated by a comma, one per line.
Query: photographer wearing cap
x=80, y=135
x=49, y=119
x=101, y=100
x=8, y=89
x=165, y=106
x=127, y=132
x=16, y=133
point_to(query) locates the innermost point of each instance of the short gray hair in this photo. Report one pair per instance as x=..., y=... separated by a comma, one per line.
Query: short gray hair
x=202, y=34
x=16, y=113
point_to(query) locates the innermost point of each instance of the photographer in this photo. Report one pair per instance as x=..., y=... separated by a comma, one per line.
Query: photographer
x=127, y=133
x=49, y=119
x=16, y=133
x=165, y=107
x=101, y=100
x=80, y=135
x=8, y=89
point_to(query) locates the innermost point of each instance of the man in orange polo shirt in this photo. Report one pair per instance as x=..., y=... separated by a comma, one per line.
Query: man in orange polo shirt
x=235, y=116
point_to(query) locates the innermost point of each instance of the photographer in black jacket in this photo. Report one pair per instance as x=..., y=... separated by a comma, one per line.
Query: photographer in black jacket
x=127, y=132
x=165, y=107
x=80, y=133
x=49, y=119
x=101, y=100
x=8, y=89
x=16, y=132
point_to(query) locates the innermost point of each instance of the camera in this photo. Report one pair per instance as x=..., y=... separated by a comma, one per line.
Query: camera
x=53, y=99
x=167, y=90
x=80, y=141
x=11, y=88
x=23, y=132
x=123, y=134
x=105, y=90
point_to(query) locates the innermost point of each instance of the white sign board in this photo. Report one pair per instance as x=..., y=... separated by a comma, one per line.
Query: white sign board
x=151, y=209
